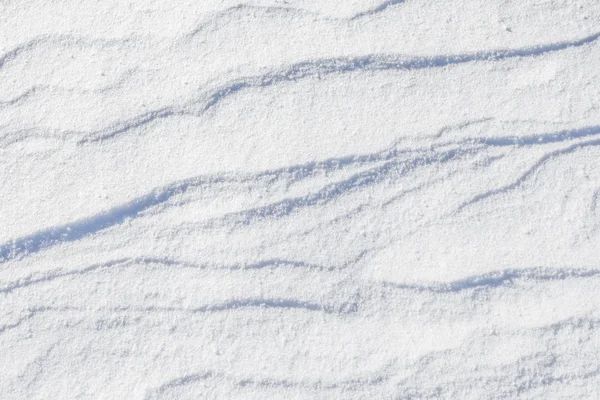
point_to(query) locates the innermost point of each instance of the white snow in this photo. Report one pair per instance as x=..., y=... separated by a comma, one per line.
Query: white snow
x=300, y=199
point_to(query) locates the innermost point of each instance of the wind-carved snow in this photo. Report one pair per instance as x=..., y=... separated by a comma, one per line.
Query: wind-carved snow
x=297, y=199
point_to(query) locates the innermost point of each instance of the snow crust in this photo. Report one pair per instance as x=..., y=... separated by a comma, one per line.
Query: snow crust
x=300, y=199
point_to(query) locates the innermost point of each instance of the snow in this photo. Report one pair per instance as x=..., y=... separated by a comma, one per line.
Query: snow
x=300, y=199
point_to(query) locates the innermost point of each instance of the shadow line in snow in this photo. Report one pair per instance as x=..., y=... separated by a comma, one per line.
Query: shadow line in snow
x=244, y=9
x=376, y=10
x=76, y=230
x=544, y=138
x=284, y=304
x=333, y=191
x=167, y=262
x=345, y=308
x=382, y=62
x=180, y=381
x=369, y=379
x=497, y=279
x=16, y=324
x=528, y=173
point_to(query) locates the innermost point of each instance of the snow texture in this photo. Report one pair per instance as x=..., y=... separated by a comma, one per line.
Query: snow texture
x=300, y=199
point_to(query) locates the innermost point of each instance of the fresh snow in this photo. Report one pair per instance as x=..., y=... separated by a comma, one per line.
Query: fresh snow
x=300, y=199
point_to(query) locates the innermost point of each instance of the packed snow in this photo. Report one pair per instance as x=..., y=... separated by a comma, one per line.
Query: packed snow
x=300, y=199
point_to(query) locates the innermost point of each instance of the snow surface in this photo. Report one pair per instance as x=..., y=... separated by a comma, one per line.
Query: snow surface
x=300, y=199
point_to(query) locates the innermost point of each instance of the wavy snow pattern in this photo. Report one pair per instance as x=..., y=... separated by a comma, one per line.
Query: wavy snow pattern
x=322, y=278
x=324, y=67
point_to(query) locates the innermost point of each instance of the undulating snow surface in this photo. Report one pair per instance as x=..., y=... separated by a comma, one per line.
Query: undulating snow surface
x=299, y=199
